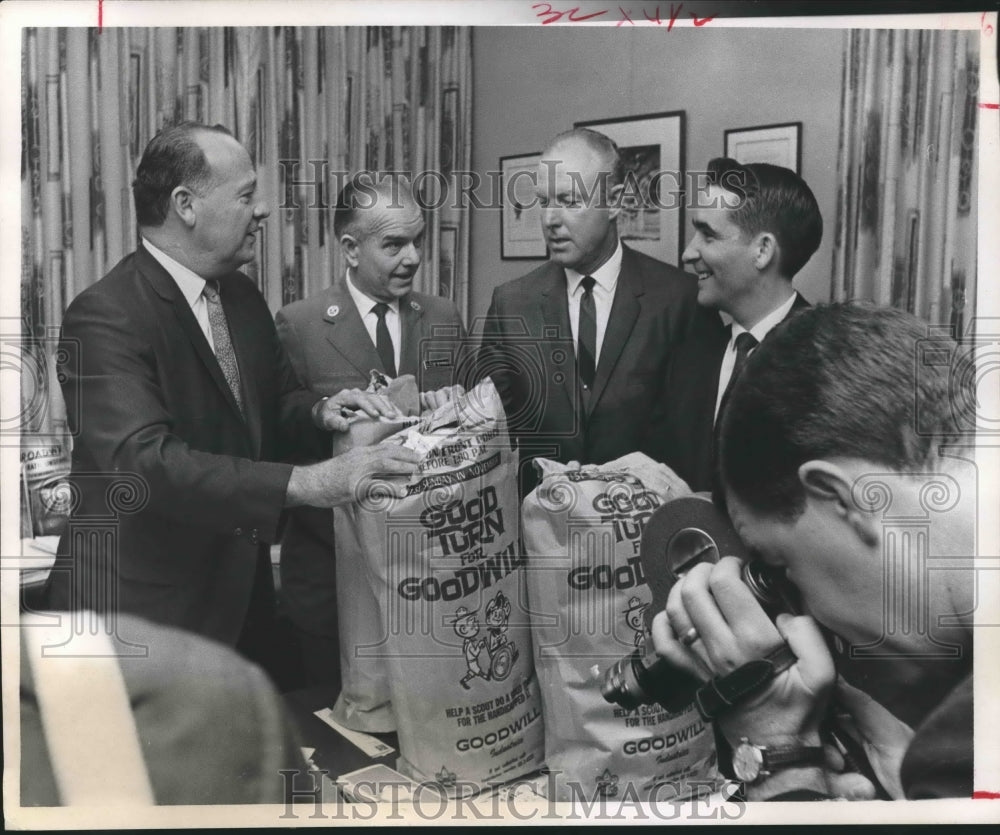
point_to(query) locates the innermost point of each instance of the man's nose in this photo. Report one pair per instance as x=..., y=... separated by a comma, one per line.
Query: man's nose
x=690, y=254
x=261, y=210
x=411, y=254
x=551, y=216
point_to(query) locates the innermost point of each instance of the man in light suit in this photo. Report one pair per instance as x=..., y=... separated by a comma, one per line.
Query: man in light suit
x=618, y=314
x=370, y=319
x=754, y=229
x=178, y=390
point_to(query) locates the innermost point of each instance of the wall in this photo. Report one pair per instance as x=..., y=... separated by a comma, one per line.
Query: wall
x=531, y=83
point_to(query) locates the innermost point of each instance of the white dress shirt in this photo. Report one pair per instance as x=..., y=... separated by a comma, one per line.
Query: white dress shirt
x=191, y=285
x=605, y=281
x=366, y=309
x=758, y=332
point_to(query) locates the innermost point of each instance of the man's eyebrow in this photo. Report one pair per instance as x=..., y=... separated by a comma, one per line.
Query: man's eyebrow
x=702, y=226
x=249, y=185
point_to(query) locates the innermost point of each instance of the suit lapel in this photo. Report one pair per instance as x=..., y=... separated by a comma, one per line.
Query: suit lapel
x=555, y=325
x=167, y=289
x=624, y=312
x=411, y=314
x=346, y=332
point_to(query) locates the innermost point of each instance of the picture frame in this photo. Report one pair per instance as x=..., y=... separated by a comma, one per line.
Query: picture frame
x=521, y=237
x=652, y=147
x=778, y=144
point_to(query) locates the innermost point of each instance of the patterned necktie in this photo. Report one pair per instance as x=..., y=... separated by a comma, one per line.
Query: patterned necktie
x=224, y=352
x=383, y=343
x=745, y=343
x=586, y=349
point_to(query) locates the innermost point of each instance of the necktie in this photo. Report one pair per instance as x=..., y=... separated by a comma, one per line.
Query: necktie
x=745, y=343
x=586, y=349
x=383, y=343
x=224, y=352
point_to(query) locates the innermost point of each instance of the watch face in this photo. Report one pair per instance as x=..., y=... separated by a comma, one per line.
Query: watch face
x=747, y=762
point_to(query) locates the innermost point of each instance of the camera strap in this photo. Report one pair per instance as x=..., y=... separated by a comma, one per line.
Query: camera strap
x=720, y=694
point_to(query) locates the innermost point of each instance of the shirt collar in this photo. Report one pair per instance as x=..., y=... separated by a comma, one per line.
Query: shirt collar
x=605, y=276
x=190, y=283
x=363, y=301
x=768, y=323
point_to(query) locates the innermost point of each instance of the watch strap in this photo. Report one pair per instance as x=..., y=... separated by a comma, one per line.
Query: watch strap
x=717, y=696
x=798, y=755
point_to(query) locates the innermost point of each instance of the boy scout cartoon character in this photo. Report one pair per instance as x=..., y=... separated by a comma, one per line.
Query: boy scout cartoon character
x=634, y=617
x=466, y=626
x=503, y=653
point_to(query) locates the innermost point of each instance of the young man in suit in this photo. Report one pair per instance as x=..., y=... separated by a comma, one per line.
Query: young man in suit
x=579, y=347
x=182, y=403
x=755, y=227
x=369, y=319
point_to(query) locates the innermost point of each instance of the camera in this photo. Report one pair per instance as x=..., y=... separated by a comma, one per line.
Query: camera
x=678, y=536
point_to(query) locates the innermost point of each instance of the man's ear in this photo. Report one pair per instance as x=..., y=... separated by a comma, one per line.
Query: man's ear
x=615, y=200
x=182, y=201
x=350, y=245
x=826, y=483
x=766, y=252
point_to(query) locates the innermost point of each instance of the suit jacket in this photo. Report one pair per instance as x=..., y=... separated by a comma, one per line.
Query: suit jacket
x=528, y=350
x=211, y=726
x=176, y=494
x=331, y=350
x=687, y=411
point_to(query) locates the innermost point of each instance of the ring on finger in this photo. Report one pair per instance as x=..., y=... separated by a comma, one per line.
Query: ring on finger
x=689, y=637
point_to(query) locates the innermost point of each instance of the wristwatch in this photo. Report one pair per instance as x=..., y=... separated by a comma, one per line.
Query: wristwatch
x=752, y=763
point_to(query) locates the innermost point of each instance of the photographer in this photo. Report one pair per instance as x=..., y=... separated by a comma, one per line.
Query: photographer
x=834, y=432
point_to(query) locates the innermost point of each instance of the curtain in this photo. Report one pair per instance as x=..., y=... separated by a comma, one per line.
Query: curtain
x=310, y=104
x=906, y=224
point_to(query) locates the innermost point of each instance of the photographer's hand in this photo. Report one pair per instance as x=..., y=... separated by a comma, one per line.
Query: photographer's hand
x=730, y=630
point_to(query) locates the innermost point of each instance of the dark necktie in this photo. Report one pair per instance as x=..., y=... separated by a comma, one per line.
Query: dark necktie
x=383, y=342
x=224, y=352
x=586, y=349
x=745, y=343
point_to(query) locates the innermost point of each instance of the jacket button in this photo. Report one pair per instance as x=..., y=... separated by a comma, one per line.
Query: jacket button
x=238, y=532
x=253, y=536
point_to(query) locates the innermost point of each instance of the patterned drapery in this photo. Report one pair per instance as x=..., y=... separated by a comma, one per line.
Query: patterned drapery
x=906, y=209
x=307, y=102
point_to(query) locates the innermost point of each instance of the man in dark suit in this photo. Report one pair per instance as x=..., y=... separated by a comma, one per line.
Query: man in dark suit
x=754, y=228
x=368, y=320
x=579, y=347
x=179, y=391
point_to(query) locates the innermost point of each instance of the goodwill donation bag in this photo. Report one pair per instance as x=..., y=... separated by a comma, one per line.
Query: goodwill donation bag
x=582, y=528
x=363, y=701
x=447, y=572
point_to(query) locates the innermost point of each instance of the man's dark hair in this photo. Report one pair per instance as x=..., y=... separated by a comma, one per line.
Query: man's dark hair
x=173, y=157
x=776, y=200
x=365, y=190
x=836, y=381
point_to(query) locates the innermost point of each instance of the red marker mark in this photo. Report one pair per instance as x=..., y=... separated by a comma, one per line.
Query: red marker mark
x=986, y=795
x=987, y=27
x=100, y=15
x=701, y=21
x=624, y=17
x=571, y=15
x=656, y=19
x=989, y=105
x=674, y=15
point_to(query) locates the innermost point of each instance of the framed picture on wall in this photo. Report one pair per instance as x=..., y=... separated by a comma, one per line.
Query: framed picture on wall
x=652, y=147
x=776, y=144
x=521, y=235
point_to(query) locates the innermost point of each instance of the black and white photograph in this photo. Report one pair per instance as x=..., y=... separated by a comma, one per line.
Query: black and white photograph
x=483, y=413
